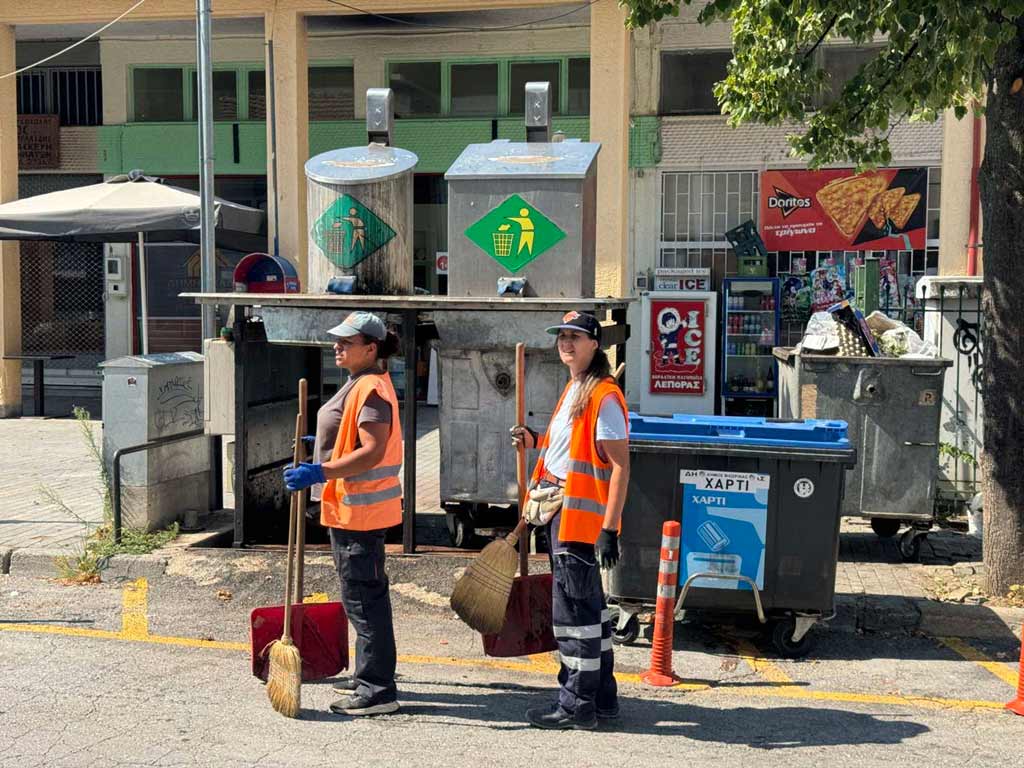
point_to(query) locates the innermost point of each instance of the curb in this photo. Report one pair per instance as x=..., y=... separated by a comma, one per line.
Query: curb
x=5, y=560
x=40, y=565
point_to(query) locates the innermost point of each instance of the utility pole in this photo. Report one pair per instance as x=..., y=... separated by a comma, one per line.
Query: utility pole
x=204, y=84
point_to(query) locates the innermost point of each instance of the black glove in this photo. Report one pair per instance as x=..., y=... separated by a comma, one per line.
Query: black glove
x=607, y=549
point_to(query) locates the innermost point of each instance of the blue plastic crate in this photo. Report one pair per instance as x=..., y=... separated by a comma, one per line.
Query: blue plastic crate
x=746, y=431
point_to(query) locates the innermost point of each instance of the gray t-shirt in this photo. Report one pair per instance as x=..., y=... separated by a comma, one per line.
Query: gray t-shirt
x=328, y=421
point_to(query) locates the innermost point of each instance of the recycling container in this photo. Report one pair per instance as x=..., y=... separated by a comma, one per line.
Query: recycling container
x=759, y=503
x=893, y=408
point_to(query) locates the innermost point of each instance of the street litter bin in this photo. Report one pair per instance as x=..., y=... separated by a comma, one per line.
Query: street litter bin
x=759, y=504
x=893, y=408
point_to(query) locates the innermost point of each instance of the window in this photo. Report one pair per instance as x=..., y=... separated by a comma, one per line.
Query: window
x=474, y=89
x=521, y=73
x=225, y=95
x=842, y=63
x=158, y=95
x=74, y=94
x=331, y=93
x=32, y=93
x=257, y=82
x=687, y=80
x=417, y=88
x=579, y=86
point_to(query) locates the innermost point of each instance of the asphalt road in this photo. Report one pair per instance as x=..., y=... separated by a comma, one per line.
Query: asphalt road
x=157, y=674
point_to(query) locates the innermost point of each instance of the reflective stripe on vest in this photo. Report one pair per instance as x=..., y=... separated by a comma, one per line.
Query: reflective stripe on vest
x=371, y=500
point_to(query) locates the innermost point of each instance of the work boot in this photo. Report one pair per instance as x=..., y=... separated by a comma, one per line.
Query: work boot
x=357, y=706
x=348, y=685
x=557, y=719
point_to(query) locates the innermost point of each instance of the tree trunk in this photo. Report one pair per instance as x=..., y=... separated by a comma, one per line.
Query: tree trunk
x=1002, y=201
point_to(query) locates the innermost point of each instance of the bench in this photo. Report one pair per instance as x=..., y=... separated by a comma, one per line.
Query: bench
x=38, y=393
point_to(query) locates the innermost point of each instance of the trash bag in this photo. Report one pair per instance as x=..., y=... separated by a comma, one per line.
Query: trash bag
x=904, y=342
x=821, y=334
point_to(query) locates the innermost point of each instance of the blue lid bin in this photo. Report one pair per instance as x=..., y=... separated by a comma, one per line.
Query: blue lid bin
x=759, y=502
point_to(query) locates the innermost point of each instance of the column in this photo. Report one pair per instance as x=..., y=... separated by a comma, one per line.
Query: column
x=610, y=78
x=10, y=266
x=287, y=29
x=955, y=205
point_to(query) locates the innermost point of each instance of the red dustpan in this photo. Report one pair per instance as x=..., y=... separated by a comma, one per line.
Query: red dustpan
x=527, y=628
x=319, y=630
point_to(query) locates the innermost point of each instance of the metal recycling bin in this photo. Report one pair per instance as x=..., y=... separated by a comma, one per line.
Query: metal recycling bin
x=759, y=503
x=359, y=211
x=893, y=408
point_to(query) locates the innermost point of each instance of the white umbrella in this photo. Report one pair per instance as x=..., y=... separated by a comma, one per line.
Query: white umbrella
x=130, y=208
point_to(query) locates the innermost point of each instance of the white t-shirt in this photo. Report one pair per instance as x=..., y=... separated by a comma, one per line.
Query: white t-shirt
x=611, y=425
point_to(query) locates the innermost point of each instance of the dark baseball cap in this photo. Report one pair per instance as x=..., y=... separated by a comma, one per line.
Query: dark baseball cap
x=365, y=323
x=578, y=321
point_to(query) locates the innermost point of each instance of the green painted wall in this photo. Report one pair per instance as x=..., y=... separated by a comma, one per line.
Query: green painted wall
x=172, y=148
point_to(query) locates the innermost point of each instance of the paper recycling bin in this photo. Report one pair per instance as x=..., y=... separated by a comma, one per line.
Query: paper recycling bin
x=893, y=408
x=758, y=499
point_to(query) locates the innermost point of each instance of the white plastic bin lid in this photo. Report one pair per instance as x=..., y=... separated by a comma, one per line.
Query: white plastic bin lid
x=373, y=162
x=153, y=361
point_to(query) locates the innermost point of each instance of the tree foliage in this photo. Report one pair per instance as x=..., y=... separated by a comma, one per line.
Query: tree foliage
x=932, y=55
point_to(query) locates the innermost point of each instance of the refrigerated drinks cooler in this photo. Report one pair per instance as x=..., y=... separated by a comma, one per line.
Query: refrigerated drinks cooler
x=750, y=329
x=678, y=363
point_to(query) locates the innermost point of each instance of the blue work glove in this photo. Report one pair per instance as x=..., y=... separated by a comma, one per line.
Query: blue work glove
x=607, y=549
x=308, y=440
x=303, y=476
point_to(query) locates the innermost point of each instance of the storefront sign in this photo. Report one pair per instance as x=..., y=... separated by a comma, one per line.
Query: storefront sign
x=441, y=262
x=725, y=520
x=678, y=339
x=842, y=210
x=682, y=279
x=38, y=142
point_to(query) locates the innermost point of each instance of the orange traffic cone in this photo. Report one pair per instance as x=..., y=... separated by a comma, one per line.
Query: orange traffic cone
x=1017, y=705
x=660, y=673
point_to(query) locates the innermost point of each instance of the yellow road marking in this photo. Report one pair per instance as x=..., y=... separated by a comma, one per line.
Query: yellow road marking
x=770, y=672
x=316, y=597
x=785, y=692
x=134, y=608
x=970, y=653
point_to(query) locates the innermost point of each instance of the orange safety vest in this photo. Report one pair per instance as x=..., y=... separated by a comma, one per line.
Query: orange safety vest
x=586, y=486
x=372, y=500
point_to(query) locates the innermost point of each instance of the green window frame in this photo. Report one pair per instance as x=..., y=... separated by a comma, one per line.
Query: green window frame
x=504, y=79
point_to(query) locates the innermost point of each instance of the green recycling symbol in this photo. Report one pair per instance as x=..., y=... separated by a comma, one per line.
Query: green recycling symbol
x=348, y=232
x=514, y=234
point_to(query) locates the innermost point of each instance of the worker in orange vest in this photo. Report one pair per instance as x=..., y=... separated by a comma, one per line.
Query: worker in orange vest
x=357, y=458
x=584, y=464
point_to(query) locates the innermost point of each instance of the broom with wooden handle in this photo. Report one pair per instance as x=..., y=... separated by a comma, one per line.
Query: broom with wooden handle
x=284, y=681
x=480, y=596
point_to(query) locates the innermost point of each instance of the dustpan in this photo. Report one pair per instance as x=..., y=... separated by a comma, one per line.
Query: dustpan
x=320, y=630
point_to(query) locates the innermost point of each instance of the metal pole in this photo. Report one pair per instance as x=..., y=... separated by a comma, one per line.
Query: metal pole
x=272, y=117
x=143, y=294
x=204, y=82
x=409, y=425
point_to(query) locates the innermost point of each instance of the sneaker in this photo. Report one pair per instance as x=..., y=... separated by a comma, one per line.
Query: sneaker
x=348, y=685
x=357, y=706
x=611, y=713
x=558, y=719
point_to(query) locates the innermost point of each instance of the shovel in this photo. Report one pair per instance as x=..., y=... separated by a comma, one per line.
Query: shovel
x=527, y=629
x=320, y=630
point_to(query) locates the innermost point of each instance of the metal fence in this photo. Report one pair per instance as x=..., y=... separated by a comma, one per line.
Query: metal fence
x=76, y=94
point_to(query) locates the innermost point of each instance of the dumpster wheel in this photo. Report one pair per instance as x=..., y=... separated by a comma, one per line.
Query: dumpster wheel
x=885, y=527
x=629, y=632
x=782, y=639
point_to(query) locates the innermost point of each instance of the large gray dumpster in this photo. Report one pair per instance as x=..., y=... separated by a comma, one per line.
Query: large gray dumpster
x=892, y=406
x=146, y=397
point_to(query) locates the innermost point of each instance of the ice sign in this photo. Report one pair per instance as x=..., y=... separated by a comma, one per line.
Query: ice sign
x=725, y=518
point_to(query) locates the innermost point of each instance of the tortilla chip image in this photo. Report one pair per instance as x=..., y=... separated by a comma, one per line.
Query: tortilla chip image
x=846, y=201
x=884, y=205
x=904, y=210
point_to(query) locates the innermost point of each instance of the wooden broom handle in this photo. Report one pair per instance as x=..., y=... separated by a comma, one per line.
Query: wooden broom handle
x=521, y=454
x=300, y=534
x=293, y=528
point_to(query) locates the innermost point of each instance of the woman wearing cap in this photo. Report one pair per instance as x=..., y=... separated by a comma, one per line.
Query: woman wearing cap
x=584, y=464
x=357, y=457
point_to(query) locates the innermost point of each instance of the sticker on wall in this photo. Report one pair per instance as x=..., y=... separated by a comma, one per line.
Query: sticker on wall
x=514, y=234
x=348, y=232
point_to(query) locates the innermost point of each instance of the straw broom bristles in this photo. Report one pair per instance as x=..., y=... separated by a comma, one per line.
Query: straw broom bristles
x=480, y=597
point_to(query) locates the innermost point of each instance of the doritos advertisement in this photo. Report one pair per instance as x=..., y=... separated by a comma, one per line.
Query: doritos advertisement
x=842, y=210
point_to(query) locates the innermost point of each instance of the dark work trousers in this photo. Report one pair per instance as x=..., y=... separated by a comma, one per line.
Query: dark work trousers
x=582, y=627
x=359, y=558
